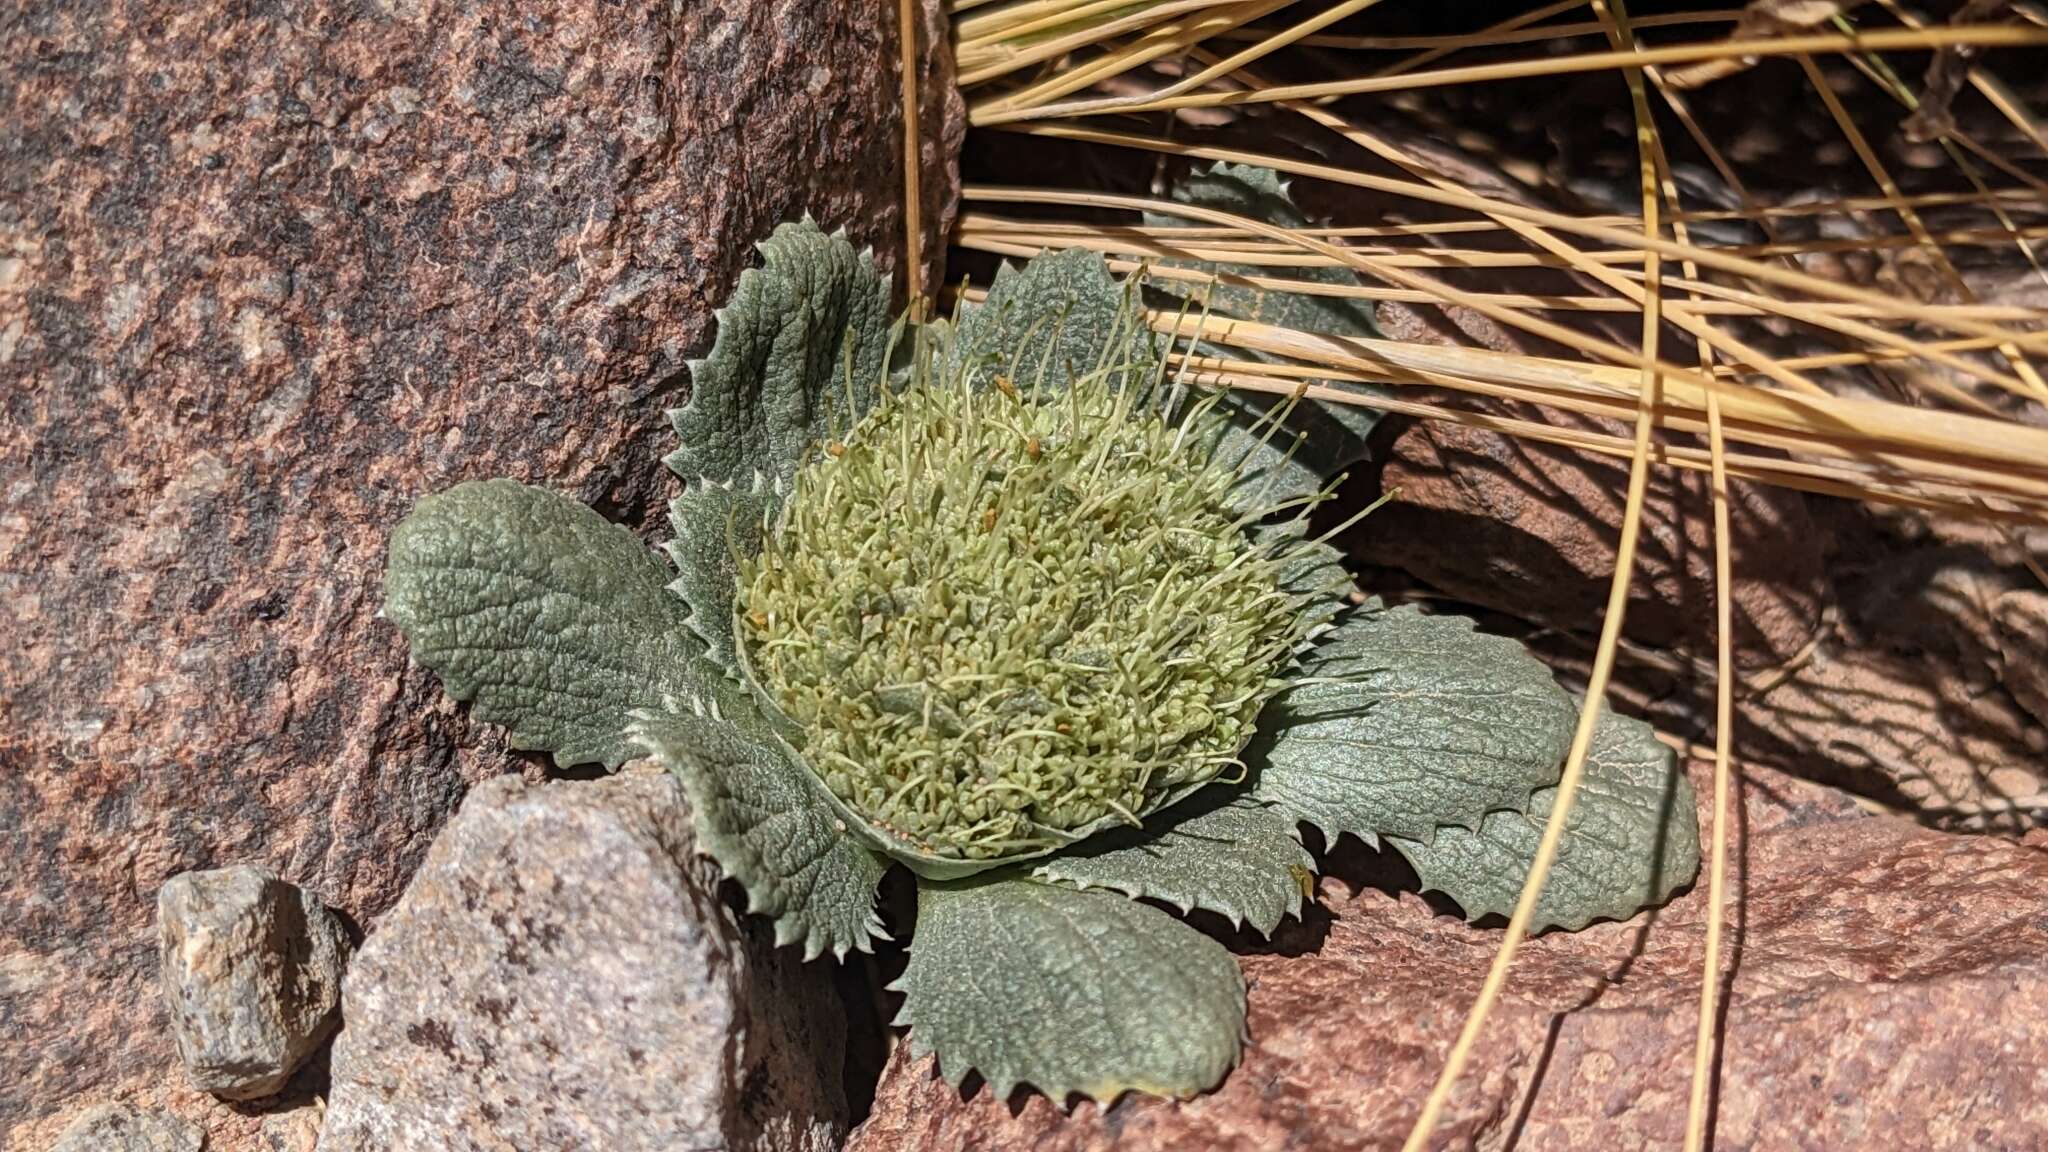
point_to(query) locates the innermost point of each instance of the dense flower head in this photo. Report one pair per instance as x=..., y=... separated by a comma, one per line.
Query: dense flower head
x=1001, y=616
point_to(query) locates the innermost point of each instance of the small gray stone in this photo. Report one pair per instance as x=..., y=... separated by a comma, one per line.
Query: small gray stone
x=119, y=1128
x=252, y=974
x=563, y=973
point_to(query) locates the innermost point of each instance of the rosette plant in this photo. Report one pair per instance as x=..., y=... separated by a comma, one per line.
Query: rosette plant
x=997, y=601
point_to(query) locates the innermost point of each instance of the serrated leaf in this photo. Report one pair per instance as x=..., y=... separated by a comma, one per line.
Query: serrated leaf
x=553, y=620
x=715, y=524
x=1430, y=723
x=1068, y=991
x=798, y=356
x=1332, y=435
x=1632, y=839
x=1061, y=315
x=1229, y=854
x=762, y=815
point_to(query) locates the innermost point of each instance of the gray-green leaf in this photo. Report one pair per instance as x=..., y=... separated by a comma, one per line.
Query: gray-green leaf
x=1239, y=858
x=1632, y=839
x=1062, y=315
x=553, y=620
x=1069, y=991
x=761, y=814
x=1429, y=723
x=715, y=525
x=1333, y=434
x=798, y=357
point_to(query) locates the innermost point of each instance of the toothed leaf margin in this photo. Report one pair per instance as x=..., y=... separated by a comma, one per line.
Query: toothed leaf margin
x=1632, y=839
x=1238, y=858
x=1069, y=991
x=798, y=356
x=715, y=525
x=760, y=815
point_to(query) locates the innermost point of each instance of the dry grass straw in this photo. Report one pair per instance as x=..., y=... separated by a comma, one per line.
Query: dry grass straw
x=1036, y=102
x=1077, y=70
x=913, y=148
x=1610, y=633
x=1937, y=456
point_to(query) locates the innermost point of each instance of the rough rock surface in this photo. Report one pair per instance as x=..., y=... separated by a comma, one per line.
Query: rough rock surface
x=1907, y=730
x=295, y=1130
x=2023, y=648
x=267, y=275
x=252, y=974
x=1877, y=966
x=1537, y=527
x=562, y=974
x=118, y=1128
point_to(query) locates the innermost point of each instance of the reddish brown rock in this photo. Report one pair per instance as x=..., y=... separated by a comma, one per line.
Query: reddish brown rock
x=112, y=1128
x=1878, y=967
x=2022, y=616
x=1917, y=694
x=1906, y=730
x=1532, y=529
x=267, y=275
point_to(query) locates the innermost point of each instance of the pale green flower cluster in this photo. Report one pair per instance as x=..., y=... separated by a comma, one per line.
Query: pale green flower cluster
x=999, y=616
